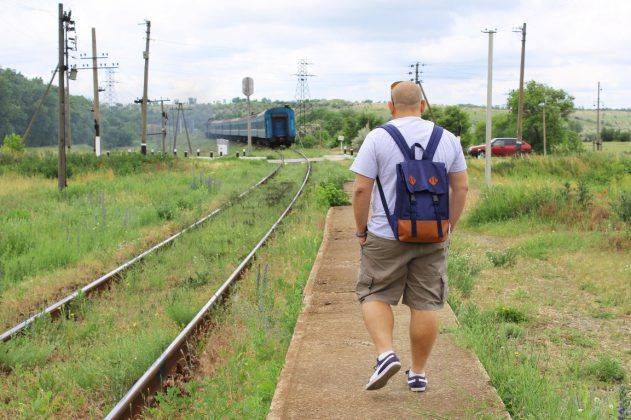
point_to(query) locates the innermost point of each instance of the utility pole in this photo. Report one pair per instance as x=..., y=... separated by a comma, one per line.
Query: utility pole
x=545, y=146
x=417, y=80
x=164, y=122
x=143, y=139
x=69, y=75
x=96, y=103
x=599, y=141
x=64, y=20
x=96, y=112
x=520, y=107
x=489, y=108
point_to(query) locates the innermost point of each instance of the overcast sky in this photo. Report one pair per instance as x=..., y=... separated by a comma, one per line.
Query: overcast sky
x=204, y=48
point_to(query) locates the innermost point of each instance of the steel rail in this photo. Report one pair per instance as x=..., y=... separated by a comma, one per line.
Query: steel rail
x=151, y=381
x=56, y=308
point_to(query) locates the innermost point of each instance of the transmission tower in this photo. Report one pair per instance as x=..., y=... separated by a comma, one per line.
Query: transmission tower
x=302, y=90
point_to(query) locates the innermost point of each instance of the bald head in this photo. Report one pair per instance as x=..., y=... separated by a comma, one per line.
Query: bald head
x=406, y=99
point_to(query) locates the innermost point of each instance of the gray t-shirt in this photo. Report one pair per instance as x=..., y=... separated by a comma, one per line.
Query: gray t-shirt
x=379, y=155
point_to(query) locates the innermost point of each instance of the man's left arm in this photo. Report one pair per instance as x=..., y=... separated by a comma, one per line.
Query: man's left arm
x=459, y=186
x=362, y=193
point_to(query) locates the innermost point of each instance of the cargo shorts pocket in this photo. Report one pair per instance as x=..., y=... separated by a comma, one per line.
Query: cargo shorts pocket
x=444, y=288
x=364, y=286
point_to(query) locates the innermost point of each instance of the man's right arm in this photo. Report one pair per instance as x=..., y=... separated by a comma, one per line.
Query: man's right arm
x=459, y=186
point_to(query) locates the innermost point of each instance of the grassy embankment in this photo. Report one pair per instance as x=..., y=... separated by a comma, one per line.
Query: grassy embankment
x=541, y=283
x=82, y=365
x=51, y=242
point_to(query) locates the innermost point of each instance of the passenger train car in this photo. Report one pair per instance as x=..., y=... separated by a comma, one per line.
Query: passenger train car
x=274, y=127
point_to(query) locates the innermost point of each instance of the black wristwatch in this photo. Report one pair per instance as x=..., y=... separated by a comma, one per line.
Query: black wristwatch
x=361, y=235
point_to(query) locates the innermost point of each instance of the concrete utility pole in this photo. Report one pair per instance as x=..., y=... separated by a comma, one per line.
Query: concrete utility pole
x=418, y=81
x=599, y=141
x=143, y=138
x=545, y=145
x=489, y=109
x=520, y=108
x=96, y=111
x=68, y=120
x=61, y=164
x=165, y=120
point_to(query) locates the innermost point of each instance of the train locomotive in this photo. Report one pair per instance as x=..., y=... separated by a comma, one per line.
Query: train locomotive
x=273, y=127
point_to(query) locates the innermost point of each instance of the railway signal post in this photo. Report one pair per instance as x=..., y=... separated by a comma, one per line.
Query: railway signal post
x=248, y=89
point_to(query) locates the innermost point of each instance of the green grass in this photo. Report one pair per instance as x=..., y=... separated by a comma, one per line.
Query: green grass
x=259, y=321
x=99, y=353
x=546, y=310
x=100, y=218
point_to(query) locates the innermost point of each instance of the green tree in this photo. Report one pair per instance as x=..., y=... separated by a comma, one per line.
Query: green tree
x=558, y=107
x=13, y=142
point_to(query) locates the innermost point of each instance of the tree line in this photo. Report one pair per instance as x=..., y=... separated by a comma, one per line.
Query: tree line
x=323, y=123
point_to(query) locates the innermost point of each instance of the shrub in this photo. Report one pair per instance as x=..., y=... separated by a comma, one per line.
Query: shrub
x=13, y=142
x=502, y=258
x=623, y=206
x=606, y=369
x=509, y=314
x=329, y=194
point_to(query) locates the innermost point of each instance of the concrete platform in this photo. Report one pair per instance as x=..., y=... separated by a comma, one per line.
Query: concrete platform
x=331, y=355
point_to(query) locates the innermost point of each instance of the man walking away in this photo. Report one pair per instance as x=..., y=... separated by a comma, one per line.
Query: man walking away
x=404, y=245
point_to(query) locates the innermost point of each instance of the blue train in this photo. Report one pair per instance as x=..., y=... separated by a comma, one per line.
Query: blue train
x=274, y=127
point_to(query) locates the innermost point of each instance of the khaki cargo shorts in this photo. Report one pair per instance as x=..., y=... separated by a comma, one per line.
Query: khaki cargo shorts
x=390, y=269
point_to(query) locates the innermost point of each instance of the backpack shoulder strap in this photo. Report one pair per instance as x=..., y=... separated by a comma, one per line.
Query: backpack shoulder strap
x=399, y=140
x=432, y=145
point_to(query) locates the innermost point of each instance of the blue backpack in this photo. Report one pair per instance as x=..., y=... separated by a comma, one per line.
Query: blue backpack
x=421, y=212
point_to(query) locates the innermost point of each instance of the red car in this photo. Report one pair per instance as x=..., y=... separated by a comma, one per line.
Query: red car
x=504, y=146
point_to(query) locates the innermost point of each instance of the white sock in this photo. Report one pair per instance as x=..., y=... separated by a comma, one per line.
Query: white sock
x=415, y=374
x=385, y=354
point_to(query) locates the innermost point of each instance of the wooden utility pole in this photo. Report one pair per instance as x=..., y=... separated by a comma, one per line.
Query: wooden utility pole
x=599, y=141
x=96, y=111
x=520, y=107
x=417, y=80
x=489, y=109
x=143, y=138
x=61, y=164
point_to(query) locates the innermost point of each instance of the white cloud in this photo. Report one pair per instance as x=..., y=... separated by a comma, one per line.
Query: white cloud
x=203, y=48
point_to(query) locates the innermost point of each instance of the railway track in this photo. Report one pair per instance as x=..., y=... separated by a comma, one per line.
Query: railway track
x=165, y=365
x=100, y=283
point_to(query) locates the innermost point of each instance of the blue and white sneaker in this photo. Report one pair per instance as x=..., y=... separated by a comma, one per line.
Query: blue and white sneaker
x=417, y=383
x=386, y=367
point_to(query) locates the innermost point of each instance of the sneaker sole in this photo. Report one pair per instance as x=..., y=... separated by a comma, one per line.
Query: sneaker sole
x=417, y=389
x=385, y=377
